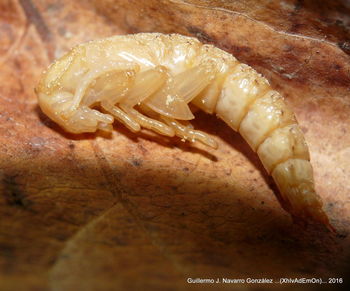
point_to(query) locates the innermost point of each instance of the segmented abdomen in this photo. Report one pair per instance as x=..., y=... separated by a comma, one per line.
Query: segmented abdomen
x=270, y=128
x=149, y=80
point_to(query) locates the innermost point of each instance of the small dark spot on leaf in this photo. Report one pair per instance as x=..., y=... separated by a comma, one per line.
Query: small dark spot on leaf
x=296, y=27
x=62, y=31
x=345, y=46
x=200, y=34
x=337, y=67
x=288, y=48
x=65, y=256
x=239, y=49
x=136, y=162
x=304, y=129
x=298, y=5
x=13, y=193
x=341, y=235
x=7, y=250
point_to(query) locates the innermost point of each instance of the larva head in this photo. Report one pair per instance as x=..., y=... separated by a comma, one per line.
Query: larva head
x=59, y=108
x=56, y=93
x=72, y=86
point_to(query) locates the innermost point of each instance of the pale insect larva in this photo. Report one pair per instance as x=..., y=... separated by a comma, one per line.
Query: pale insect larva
x=148, y=80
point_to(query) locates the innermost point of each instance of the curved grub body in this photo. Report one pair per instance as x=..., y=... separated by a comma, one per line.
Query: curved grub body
x=149, y=79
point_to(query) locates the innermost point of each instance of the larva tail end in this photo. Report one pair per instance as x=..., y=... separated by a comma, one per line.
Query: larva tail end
x=331, y=228
x=319, y=219
x=325, y=221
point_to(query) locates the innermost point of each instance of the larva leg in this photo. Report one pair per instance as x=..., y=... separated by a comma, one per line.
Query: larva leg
x=61, y=101
x=144, y=85
x=94, y=118
x=129, y=69
x=188, y=133
x=111, y=86
x=121, y=116
x=172, y=99
x=206, y=100
x=147, y=122
x=188, y=84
